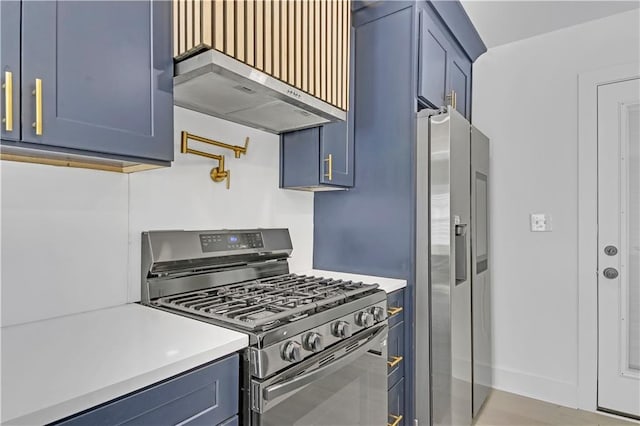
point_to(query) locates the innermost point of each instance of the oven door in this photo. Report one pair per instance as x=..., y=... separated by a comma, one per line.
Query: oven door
x=342, y=386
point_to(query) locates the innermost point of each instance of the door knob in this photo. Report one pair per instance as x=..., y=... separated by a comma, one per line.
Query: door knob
x=610, y=273
x=610, y=250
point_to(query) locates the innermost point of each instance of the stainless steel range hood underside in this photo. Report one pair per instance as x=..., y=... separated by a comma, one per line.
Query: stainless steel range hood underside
x=216, y=84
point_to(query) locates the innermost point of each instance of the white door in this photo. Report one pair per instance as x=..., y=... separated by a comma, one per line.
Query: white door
x=619, y=247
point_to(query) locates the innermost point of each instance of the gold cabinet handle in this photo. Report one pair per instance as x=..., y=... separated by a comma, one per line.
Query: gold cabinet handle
x=394, y=310
x=8, y=101
x=38, y=94
x=396, y=420
x=395, y=360
x=451, y=98
x=329, y=160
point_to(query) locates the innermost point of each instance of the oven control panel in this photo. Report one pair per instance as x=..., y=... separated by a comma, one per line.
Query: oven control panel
x=225, y=241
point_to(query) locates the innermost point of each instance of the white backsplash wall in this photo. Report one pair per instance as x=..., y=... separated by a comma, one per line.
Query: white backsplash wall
x=70, y=238
x=185, y=197
x=525, y=99
x=64, y=241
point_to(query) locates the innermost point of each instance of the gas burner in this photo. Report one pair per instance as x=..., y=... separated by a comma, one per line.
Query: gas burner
x=259, y=304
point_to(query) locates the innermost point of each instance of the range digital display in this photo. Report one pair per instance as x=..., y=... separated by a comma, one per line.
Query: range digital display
x=226, y=242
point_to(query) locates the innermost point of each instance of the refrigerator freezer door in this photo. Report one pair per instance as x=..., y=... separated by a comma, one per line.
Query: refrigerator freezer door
x=451, y=369
x=422, y=291
x=480, y=279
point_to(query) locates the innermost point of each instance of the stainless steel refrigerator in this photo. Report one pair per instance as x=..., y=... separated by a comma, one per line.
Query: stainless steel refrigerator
x=453, y=312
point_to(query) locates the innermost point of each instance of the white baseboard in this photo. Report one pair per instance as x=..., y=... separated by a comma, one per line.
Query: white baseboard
x=537, y=387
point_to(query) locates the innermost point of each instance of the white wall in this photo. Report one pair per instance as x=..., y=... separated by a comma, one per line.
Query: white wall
x=64, y=241
x=185, y=197
x=526, y=101
x=70, y=238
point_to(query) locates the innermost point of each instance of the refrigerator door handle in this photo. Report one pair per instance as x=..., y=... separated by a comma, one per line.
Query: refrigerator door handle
x=460, y=252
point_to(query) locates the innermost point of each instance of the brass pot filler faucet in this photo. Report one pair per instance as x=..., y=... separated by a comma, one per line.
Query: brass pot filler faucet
x=218, y=174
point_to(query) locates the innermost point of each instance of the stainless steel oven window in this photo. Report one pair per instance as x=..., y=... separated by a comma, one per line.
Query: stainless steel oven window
x=345, y=385
x=482, y=247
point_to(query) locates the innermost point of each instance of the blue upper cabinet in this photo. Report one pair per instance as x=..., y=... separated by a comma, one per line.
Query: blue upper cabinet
x=97, y=78
x=444, y=76
x=434, y=52
x=10, y=67
x=321, y=158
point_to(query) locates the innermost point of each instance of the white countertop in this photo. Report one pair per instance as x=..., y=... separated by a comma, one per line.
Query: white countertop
x=387, y=284
x=55, y=368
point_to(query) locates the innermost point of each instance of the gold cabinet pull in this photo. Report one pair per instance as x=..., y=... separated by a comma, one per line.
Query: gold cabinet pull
x=394, y=310
x=329, y=160
x=395, y=360
x=451, y=99
x=8, y=101
x=396, y=420
x=38, y=94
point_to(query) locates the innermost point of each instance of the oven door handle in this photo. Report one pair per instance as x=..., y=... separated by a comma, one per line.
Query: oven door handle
x=281, y=389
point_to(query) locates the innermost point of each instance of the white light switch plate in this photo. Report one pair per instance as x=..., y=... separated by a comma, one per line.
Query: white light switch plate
x=540, y=222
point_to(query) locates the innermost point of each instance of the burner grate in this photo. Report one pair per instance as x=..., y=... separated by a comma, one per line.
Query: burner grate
x=264, y=303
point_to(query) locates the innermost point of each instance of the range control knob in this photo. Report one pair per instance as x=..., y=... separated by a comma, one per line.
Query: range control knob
x=292, y=352
x=313, y=342
x=341, y=329
x=378, y=313
x=364, y=319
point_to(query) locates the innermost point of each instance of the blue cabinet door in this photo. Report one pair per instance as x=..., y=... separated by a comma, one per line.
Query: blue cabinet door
x=336, y=152
x=396, y=404
x=106, y=69
x=443, y=66
x=433, y=61
x=299, y=153
x=395, y=347
x=10, y=67
x=205, y=396
x=460, y=80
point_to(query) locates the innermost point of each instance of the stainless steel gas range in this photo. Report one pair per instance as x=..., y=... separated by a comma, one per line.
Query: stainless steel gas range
x=317, y=347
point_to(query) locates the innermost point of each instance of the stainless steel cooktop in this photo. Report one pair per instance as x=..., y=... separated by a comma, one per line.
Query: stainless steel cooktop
x=266, y=303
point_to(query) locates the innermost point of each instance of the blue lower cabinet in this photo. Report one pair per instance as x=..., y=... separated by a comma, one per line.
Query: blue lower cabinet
x=207, y=395
x=397, y=357
x=396, y=404
x=207, y=419
x=233, y=421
